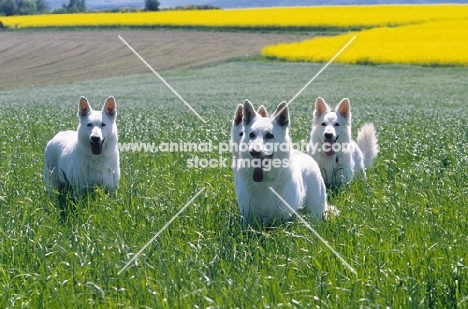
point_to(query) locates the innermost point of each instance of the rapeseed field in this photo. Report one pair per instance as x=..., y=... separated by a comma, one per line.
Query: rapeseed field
x=298, y=17
x=441, y=43
x=406, y=34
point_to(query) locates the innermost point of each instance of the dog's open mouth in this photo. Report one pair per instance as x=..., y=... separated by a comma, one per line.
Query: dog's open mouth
x=328, y=150
x=96, y=147
x=259, y=166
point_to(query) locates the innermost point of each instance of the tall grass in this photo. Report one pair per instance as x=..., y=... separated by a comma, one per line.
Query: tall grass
x=403, y=228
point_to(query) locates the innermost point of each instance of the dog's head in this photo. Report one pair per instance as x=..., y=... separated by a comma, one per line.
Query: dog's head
x=332, y=127
x=96, y=126
x=237, y=130
x=265, y=136
x=237, y=127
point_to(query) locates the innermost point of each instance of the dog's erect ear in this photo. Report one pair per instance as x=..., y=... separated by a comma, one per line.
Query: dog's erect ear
x=262, y=111
x=238, y=115
x=83, y=107
x=344, y=109
x=282, y=114
x=321, y=107
x=249, y=112
x=110, y=106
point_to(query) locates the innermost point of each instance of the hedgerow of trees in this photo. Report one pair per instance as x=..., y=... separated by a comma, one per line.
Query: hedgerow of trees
x=22, y=7
x=29, y=7
x=75, y=6
x=152, y=5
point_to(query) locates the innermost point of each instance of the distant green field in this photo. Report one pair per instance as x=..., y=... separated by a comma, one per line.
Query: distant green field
x=404, y=228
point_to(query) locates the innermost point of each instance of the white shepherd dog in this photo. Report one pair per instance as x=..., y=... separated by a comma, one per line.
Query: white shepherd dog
x=266, y=159
x=237, y=131
x=88, y=157
x=332, y=147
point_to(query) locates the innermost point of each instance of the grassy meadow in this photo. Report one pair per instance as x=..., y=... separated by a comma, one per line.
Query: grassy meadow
x=403, y=229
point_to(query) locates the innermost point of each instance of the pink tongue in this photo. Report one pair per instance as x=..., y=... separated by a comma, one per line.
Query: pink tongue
x=258, y=174
x=330, y=152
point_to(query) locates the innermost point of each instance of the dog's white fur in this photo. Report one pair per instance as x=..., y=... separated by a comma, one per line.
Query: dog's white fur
x=237, y=131
x=87, y=157
x=237, y=128
x=297, y=179
x=331, y=129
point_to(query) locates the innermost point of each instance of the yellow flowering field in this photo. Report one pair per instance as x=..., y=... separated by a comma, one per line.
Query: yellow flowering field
x=432, y=43
x=408, y=34
x=298, y=17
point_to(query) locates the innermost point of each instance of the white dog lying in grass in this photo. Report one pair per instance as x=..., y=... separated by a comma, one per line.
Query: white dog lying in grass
x=265, y=162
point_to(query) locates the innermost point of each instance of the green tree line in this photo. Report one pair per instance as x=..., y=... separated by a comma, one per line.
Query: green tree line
x=29, y=7
x=22, y=7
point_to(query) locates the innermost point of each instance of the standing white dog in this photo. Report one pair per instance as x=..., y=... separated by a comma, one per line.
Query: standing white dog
x=331, y=145
x=268, y=161
x=87, y=157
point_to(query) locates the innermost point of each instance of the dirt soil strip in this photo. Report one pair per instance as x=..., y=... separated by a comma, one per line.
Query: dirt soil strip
x=31, y=58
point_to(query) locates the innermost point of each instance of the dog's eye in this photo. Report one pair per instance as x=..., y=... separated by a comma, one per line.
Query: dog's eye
x=103, y=124
x=337, y=124
x=241, y=133
x=269, y=135
x=89, y=124
x=252, y=135
x=324, y=124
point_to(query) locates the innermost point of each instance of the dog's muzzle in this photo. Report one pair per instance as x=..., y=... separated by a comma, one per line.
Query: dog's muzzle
x=258, y=169
x=328, y=137
x=96, y=145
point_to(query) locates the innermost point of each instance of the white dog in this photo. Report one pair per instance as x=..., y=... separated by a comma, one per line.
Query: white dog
x=87, y=157
x=237, y=131
x=237, y=128
x=331, y=145
x=268, y=161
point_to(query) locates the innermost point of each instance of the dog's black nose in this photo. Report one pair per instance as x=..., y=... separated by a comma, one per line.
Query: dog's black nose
x=95, y=139
x=328, y=135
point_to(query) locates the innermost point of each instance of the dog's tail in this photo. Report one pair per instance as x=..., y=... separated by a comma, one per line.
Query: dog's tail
x=367, y=142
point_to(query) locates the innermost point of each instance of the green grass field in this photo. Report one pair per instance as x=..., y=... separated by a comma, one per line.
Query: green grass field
x=403, y=229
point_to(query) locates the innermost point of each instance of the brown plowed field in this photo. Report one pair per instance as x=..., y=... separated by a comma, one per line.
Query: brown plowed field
x=45, y=57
